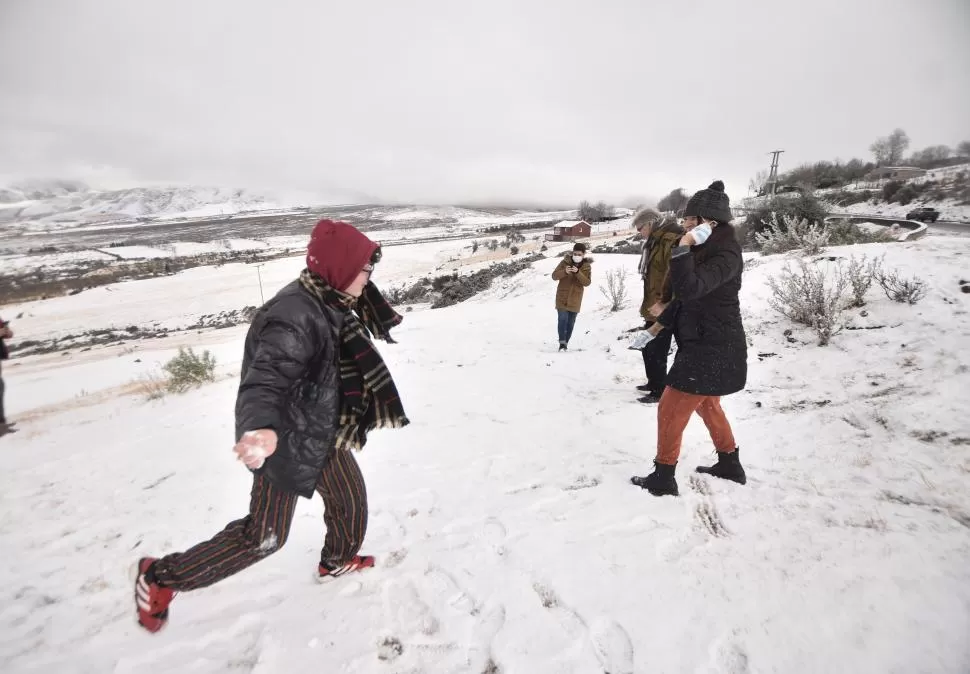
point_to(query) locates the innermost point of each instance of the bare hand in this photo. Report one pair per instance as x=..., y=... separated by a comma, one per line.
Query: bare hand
x=687, y=240
x=571, y=270
x=7, y=333
x=655, y=329
x=255, y=447
x=657, y=309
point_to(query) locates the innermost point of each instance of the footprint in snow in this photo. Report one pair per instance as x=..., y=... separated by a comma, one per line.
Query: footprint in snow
x=705, y=512
x=407, y=610
x=612, y=645
x=423, y=502
x=444, y=585
x=727, y=656
x=494, y=535
x=479, y=656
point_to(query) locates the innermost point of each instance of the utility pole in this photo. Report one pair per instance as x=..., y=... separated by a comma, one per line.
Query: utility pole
x=772, y=183
x=260, y=277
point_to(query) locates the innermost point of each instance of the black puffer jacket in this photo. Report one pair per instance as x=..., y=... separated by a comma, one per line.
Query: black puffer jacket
x=290, y=382
x=712, y=349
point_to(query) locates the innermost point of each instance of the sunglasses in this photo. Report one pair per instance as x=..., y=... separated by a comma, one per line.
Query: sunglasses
x=374, y=259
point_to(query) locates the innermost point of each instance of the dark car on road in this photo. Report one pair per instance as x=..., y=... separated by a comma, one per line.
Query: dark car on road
x=924, y=214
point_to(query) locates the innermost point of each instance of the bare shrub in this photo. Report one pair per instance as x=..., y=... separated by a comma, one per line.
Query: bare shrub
x=862, y=272
x=791, y=234
x=899, y=289
x=615, y=289
x=152, y=386
x=806, y=296
x=188, y=370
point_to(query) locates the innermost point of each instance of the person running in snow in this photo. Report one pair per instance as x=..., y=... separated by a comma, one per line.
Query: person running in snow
x=312, y=386
x=5, y=333
x=660, y=235
x=573, y=274
x=711, y=359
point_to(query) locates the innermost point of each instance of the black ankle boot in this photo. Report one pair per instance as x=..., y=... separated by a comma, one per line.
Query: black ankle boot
x=660, y=482
x=728, y=467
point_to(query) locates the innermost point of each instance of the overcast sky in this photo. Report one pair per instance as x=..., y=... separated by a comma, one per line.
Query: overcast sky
x=467, y=101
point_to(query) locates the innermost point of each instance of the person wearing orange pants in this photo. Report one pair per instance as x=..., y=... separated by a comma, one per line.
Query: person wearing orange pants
x=711, y=360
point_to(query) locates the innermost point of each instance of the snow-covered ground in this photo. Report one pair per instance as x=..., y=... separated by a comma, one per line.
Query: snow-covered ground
x=507, y=534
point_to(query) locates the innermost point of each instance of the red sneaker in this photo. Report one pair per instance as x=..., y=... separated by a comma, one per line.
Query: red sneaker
x=151, y=600
x=359, y=562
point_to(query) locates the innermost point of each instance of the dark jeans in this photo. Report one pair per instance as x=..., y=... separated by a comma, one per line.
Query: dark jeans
x=567, y=319
x=655, y=361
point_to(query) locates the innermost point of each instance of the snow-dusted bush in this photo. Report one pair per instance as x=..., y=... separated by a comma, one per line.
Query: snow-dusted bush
x=791, y=234
x=844, y=232
x=862, y=272
x=899, y=289
x=615, y=289
x=188, y=370
x=807, y=296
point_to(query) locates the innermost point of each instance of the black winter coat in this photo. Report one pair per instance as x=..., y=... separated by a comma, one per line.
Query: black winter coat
x=4, y=354
x=290, y=382
x=712, y=349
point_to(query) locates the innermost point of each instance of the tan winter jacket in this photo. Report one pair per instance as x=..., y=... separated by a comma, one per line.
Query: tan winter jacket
x=569, y=295
x=655, y=266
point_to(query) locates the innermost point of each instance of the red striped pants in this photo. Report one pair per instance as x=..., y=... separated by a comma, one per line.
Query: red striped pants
x=264, y=531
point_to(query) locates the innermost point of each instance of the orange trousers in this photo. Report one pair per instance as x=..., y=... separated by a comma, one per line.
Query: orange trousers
x=675, y=410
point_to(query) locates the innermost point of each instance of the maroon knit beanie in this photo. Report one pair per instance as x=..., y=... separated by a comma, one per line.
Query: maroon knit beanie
x=337, y=252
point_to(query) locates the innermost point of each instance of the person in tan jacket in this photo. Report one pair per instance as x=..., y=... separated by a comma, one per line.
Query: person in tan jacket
x=660, y=236
x=573, y=274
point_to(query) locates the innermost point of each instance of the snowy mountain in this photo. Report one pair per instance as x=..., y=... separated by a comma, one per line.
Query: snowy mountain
x=507, y=535
x=39, y=206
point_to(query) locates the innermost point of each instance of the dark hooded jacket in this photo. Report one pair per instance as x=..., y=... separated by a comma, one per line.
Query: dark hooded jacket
x=705, y=316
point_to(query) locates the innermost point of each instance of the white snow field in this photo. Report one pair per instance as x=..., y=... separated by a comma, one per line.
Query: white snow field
x=508, y=537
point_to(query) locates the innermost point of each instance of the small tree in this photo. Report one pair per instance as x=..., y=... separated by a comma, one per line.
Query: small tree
x=615, y=289
x=963, y=149
x=587, y=212
x=900, y=289
x=791, y=234
x=806, y=297
x=862, y=272
x=673, y=202
x=474, y=247
x=604, y=210
x=889, y=189
x=757, y=184
x=188, y=370
x=890, y=149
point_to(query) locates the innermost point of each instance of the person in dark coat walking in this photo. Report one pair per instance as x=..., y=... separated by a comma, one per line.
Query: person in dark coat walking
x=5, y=333
x=312, y=386
x=711, y=359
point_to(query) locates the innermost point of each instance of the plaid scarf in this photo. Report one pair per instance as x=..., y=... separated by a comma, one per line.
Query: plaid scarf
x=369, y=398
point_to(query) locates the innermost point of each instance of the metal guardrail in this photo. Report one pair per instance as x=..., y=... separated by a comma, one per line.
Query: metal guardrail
x=914, y=230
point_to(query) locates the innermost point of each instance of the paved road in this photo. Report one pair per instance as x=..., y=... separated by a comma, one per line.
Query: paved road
x=955, y=227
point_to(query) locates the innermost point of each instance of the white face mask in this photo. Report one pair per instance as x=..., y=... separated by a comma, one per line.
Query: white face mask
x=577, y=258
x=702, y=232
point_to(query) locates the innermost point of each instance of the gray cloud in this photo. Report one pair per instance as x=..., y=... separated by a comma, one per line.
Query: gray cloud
x=441, y=101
